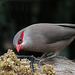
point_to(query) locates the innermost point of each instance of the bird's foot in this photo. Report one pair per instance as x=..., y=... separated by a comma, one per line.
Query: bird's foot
x=44, y=57
x=40, y=60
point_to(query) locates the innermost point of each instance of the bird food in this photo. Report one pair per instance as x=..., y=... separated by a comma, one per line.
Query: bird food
x=11, y=65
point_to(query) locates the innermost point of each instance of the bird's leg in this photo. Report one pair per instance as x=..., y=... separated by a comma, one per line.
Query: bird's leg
x=52, y=55
x=46, y=56
x=42, y=58
x=38, y=59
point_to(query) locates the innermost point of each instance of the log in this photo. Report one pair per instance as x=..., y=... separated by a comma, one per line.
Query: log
x=62, y=65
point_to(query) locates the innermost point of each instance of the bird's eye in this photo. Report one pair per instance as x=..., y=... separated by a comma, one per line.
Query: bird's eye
x=20, y=41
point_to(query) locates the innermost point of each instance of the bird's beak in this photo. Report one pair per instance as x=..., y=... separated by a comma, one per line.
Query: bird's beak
x=18, y=47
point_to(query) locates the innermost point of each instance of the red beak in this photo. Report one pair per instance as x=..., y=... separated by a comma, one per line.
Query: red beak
x=18, y=47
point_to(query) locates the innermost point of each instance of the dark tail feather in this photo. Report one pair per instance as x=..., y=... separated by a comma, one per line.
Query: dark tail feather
x=67, y=25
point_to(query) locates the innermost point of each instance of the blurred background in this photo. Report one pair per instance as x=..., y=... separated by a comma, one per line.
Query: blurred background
x=17, y=14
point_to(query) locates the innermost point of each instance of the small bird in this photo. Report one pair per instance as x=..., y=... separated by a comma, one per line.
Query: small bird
x=45, y=37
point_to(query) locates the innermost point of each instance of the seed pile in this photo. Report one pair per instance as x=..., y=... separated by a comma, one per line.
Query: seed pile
x=11, y=65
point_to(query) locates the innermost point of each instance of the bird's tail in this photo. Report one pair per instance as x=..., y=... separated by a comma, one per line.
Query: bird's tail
x=67, y=25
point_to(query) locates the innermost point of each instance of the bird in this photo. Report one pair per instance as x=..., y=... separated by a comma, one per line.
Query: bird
x=45, y=37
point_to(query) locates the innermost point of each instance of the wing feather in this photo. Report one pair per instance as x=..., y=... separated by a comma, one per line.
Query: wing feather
x=54, y=32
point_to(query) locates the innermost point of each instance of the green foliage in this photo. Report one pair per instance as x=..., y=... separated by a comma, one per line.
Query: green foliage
x=2, y=13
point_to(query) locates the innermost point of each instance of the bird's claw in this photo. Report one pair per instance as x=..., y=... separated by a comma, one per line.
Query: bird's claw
x=40, y=60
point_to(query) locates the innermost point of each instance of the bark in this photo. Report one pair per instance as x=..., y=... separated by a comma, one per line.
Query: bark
x=62, y=65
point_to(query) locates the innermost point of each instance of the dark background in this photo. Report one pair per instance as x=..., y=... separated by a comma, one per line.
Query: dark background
x=17, y=14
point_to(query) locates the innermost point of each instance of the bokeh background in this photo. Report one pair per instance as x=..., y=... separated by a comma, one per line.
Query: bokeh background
x=17, y=14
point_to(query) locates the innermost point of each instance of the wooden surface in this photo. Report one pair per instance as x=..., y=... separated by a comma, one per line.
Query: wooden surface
x=62, y=65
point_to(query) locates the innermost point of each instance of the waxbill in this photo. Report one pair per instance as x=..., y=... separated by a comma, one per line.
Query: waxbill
x=45, y=37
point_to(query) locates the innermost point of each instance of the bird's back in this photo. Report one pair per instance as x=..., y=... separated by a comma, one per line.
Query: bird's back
x=52, y=32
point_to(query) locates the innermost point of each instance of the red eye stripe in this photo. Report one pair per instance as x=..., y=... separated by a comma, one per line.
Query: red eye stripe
x=21, y=36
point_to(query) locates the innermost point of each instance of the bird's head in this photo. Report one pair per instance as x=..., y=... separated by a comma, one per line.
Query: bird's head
x=18, y=40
